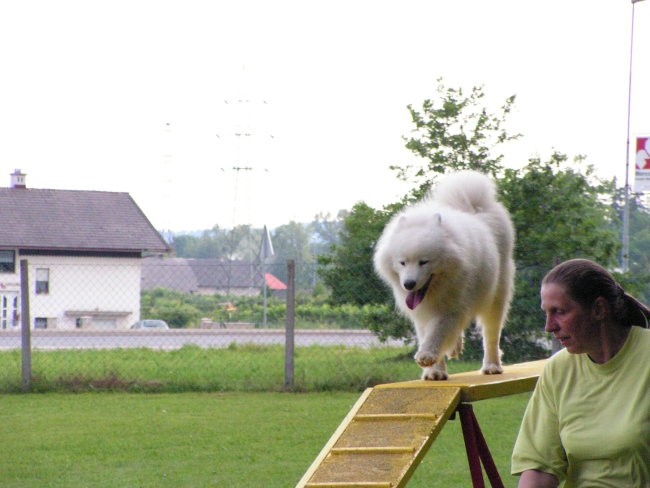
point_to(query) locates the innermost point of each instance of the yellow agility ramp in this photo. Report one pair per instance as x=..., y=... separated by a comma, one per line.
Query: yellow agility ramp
x=388, y=431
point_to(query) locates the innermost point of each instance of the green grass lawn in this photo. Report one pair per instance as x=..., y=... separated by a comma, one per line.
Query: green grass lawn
x=229, y=440
x=192, y=369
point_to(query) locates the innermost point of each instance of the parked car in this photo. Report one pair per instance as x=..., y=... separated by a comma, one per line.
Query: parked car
x=150, y=324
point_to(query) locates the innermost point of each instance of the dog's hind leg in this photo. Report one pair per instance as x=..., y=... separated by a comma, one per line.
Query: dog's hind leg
x=493, y=319
x=491, y=328
x=458, y=349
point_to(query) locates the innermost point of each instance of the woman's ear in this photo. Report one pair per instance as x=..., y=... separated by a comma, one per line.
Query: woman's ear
x=600, y=308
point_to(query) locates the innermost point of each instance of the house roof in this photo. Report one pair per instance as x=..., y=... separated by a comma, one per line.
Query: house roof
x=188, y=275
x=273, y=282
x=58, y=220
x=170, y=273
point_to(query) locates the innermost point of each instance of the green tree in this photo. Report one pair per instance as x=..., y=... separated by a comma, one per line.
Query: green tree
x=326, y=232
x=637, y=280
x=455, y=132
x=558, y=213
x=196, y=246
x=560, y=210
x=639, y=236
x=292, y=241
x=170, y=307
x=241, y=242
x=348, y=269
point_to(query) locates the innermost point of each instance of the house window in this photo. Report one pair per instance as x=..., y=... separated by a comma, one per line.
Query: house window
x=40, y=322
x=42, y=281
x=7, y=261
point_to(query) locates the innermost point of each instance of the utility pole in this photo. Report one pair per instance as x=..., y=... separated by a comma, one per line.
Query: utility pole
x=625, y=255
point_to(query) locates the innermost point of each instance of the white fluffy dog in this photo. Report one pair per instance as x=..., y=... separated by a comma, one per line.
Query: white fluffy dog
x=448, y=260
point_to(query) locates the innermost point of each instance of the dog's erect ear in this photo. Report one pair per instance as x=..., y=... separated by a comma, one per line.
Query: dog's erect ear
x=437, y=218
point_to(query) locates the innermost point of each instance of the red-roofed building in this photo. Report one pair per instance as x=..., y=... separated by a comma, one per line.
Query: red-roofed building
x=274, y=283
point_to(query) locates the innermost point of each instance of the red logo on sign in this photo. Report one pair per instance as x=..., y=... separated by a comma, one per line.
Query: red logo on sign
x=643, y=153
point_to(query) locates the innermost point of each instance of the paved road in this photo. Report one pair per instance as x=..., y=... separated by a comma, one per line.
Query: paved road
x=175, y=339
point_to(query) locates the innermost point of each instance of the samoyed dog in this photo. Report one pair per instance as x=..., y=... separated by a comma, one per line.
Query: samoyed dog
x=448, y=260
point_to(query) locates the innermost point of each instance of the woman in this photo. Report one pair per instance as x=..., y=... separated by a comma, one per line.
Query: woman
x=588, y=420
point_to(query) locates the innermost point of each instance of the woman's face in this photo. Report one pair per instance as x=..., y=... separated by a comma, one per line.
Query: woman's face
x=569, y=322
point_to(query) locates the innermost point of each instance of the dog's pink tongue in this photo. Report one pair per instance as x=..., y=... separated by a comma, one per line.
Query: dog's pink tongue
x=413, y=299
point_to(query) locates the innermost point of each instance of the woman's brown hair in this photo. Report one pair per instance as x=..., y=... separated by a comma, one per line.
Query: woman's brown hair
x=584, y=281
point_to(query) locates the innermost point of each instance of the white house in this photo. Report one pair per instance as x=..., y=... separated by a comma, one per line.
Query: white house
x=83, y=251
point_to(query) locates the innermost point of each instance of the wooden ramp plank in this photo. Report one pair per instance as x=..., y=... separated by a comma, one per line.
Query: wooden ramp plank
x=388, y=431
x=384, y=439
x=475, y=386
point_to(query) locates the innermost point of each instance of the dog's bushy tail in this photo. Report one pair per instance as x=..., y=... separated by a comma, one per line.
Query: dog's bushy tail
x=468, y=191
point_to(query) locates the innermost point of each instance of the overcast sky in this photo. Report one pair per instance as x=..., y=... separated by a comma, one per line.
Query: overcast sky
x=165, y=99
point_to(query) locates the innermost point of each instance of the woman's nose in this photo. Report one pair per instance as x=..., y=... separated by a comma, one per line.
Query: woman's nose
x=550, y=325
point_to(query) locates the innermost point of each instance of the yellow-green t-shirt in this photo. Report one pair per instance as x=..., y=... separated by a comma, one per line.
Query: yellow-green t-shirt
x=588, y=423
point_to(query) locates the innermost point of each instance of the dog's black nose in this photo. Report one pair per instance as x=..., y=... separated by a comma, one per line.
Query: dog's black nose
x=409, y=284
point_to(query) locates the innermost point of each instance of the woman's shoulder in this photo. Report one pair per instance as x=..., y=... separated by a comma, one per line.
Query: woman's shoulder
x=640, y=338
x=559, y=361
x=641, y=332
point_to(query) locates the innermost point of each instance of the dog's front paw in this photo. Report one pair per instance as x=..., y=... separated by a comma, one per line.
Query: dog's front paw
x=425, y=358
x=435, y=373
x=491, y=368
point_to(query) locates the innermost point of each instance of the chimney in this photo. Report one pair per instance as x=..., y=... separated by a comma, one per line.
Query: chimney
x=18, y=179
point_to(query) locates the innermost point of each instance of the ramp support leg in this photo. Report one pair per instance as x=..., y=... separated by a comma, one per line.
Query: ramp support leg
x=477, y=449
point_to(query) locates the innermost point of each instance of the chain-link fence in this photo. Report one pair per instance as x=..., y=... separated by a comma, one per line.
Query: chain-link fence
x=160, y=324
x=81, y=322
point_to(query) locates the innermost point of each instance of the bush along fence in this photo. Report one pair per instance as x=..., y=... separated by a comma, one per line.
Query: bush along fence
x=168, y=324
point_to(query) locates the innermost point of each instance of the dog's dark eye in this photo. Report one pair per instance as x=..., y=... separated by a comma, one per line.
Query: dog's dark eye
x=423, y=262
x=402, y=263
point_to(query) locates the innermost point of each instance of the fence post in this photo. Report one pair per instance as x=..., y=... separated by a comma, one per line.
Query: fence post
x=289, y=330
x=25, y=332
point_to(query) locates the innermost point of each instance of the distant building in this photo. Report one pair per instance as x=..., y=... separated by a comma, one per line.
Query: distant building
x=84, y=251
x=207, y=276
x=202, y=276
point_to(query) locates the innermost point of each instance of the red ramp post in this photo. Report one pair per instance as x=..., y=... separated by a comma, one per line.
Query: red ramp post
x=477, y=449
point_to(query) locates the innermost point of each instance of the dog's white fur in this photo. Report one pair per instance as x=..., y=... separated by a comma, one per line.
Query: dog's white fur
x=459, y=241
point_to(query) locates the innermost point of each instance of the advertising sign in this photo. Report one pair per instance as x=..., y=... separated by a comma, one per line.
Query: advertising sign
x=642, y=158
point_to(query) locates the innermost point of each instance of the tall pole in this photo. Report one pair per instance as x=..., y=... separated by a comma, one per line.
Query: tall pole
x=289, y=345
x=25, y=327
x=625, y=261
x=264, y=288
x=266, y=251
